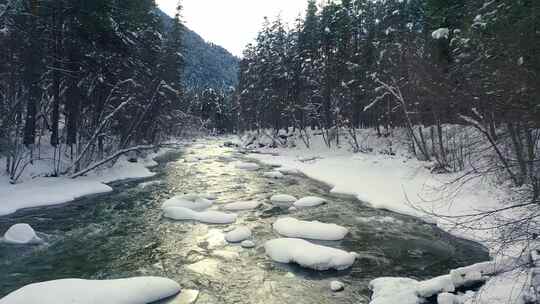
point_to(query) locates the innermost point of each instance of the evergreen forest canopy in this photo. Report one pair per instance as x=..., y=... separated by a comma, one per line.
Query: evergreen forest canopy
x=416, y=64
x=95, y=79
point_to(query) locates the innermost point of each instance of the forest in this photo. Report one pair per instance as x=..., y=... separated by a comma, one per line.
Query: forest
x=96, y=79
x=461, y=78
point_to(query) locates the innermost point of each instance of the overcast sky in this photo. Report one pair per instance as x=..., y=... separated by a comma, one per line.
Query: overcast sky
x=232, y=23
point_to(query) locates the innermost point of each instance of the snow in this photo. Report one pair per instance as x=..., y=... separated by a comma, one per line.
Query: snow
x=195, y=203
x=309, y=255
x=336, y=286
x=242, y=205
x=399, y=183
x=440, y=33
x=209, y=217
x=239, y=234
x=309, y=201
x=394, y=290
x=141, y=290
x=315, y=230
x=247, y=166
x=283, y=200
x=435, y=286
x=36, y=190
x=247, y=244
x=274, y=175
x=21, y=234
x=447, y=298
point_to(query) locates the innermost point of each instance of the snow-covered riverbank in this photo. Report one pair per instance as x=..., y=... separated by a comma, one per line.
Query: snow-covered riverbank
x=35, y=189
x=405, y=185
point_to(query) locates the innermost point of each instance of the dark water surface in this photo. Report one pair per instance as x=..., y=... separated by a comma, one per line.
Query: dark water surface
x=123, y=234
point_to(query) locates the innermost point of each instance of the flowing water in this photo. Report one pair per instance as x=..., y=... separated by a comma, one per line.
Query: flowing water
x=123, y=234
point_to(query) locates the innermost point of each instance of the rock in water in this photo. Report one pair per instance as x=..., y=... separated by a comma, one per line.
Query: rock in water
x=22, y=234
x=248, y=244
x=283, y=200
x=336, y=286
x=238, y=235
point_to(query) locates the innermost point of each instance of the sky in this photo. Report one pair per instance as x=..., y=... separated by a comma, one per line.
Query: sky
x=232, y=23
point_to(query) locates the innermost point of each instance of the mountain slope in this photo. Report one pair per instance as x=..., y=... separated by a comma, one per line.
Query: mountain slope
x=206, y=65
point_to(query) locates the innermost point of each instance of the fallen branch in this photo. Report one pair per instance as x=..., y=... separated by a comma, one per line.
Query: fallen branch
x=108, y=159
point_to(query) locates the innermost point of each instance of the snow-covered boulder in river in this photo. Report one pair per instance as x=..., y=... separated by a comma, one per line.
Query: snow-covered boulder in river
x=238, y=235
x=309, y=201
x=248, y=244
x=309, y=255
x=283, y=200
x=21, y=234
x=315, y=230
x=241, y=206
x=193, y=202
x=394, y=290
x=209, y=217
x=140, y=290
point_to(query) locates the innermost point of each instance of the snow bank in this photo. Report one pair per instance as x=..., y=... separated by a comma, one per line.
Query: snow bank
x=142, y=290
x=35, y=190
x=243, y=205
x=315, y=230
x=306, y=254
x=283, y=200
x=21, y=234
x=193, y=203
x=309, y=201
x=238, y=235
x=209, y=217
x=435, y=286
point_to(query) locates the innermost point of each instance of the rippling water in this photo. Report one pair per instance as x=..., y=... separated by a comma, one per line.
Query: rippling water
x=123, y=234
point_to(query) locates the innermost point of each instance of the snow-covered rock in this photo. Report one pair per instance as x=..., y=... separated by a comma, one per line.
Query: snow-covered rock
x=247, y=166
x=448, y=298
x=309, y=201
x=209, y=217
x=242, y=205
x=315, y=230
x=21, y=234
x=274, y=175
x=239, y=234
x=197, y=204
x=435, y=286
x=140, y=290
x=394, y=290
x=472, y=274
x=306, y=254
x=336, y=286
x=247, y=244
x=283, y=200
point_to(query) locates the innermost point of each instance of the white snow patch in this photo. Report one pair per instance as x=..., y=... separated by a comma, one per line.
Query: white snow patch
x=394, y=290
x=315, y=230
x=242, y=205
x=435, y=286
x=196, y=204
x=309, y=255
x=239, y=234
x=21, y=234
x=209, y=217
x=309, y=201
x=336, y=286
x=283, y=200
x=440, y=33
x=141, y=290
